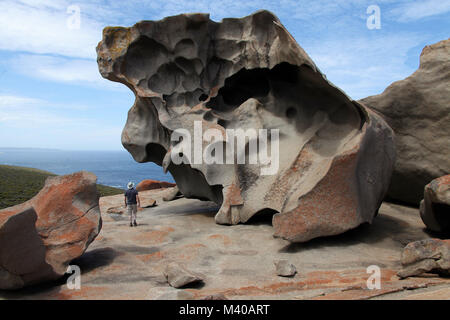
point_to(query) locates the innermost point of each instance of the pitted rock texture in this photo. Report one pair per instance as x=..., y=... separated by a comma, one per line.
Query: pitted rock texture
x=40, y=237
x=335, y=155
x=435, y=207
x=418, y=109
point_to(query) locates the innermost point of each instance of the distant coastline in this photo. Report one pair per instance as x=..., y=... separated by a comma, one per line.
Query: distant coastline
x=112, y=168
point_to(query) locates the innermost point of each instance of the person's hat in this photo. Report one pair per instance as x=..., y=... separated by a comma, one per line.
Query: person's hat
x=130, y=185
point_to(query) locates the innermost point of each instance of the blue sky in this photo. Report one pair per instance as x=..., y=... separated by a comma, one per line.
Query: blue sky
x=52, y=96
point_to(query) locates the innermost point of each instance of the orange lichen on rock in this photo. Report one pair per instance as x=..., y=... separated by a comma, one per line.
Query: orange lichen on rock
x=149, y=184
x=67, y=220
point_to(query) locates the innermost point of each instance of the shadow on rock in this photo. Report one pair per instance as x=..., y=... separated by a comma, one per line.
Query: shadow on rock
x=263, y=217
x=194, y=285
x=438, y=235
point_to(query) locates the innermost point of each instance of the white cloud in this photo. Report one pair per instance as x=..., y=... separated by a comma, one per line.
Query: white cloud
x=59, y=69
x=7, y=101
x=41, y=27
x=415, y=10
x=363, y=66
x=20, y=111
x=12, y=103
x=26, y=121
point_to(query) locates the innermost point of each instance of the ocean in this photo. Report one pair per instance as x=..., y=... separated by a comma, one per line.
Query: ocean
x=113, y=168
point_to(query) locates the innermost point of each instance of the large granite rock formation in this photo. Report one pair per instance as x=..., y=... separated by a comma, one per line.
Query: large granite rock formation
x=334, y=156
x=418, y=109
x=40, y=237
x=435, y=206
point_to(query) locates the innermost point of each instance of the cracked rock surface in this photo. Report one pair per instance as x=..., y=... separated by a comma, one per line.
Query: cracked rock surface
x=335, y=155
x=40, y=237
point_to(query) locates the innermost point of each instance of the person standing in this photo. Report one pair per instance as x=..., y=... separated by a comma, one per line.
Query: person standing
x=132, y=202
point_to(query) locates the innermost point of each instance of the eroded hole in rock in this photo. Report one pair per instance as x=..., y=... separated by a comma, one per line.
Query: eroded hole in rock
x=263, y=216
x=155, y=153
x=222, y=123
x=240, y=87
x=208, y=116
x=142, y=53
x=291, y=112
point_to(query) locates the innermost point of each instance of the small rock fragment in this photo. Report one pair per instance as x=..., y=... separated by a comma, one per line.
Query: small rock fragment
x=116, y=210
x=178, y=276
x=284, y=268
x=430, y=255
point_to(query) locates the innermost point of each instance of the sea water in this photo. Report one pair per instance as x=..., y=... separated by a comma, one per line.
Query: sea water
x=113, y=168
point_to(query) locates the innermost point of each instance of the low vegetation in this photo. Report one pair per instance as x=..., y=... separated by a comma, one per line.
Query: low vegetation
x=19, y=184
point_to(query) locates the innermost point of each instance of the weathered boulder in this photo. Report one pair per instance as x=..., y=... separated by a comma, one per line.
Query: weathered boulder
x=435, y=206
x=330, y=158
x=284, y=268
x=149, y=184
x=418, y=109
x=178, y=276
x=40, y=237
x=430, y=255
